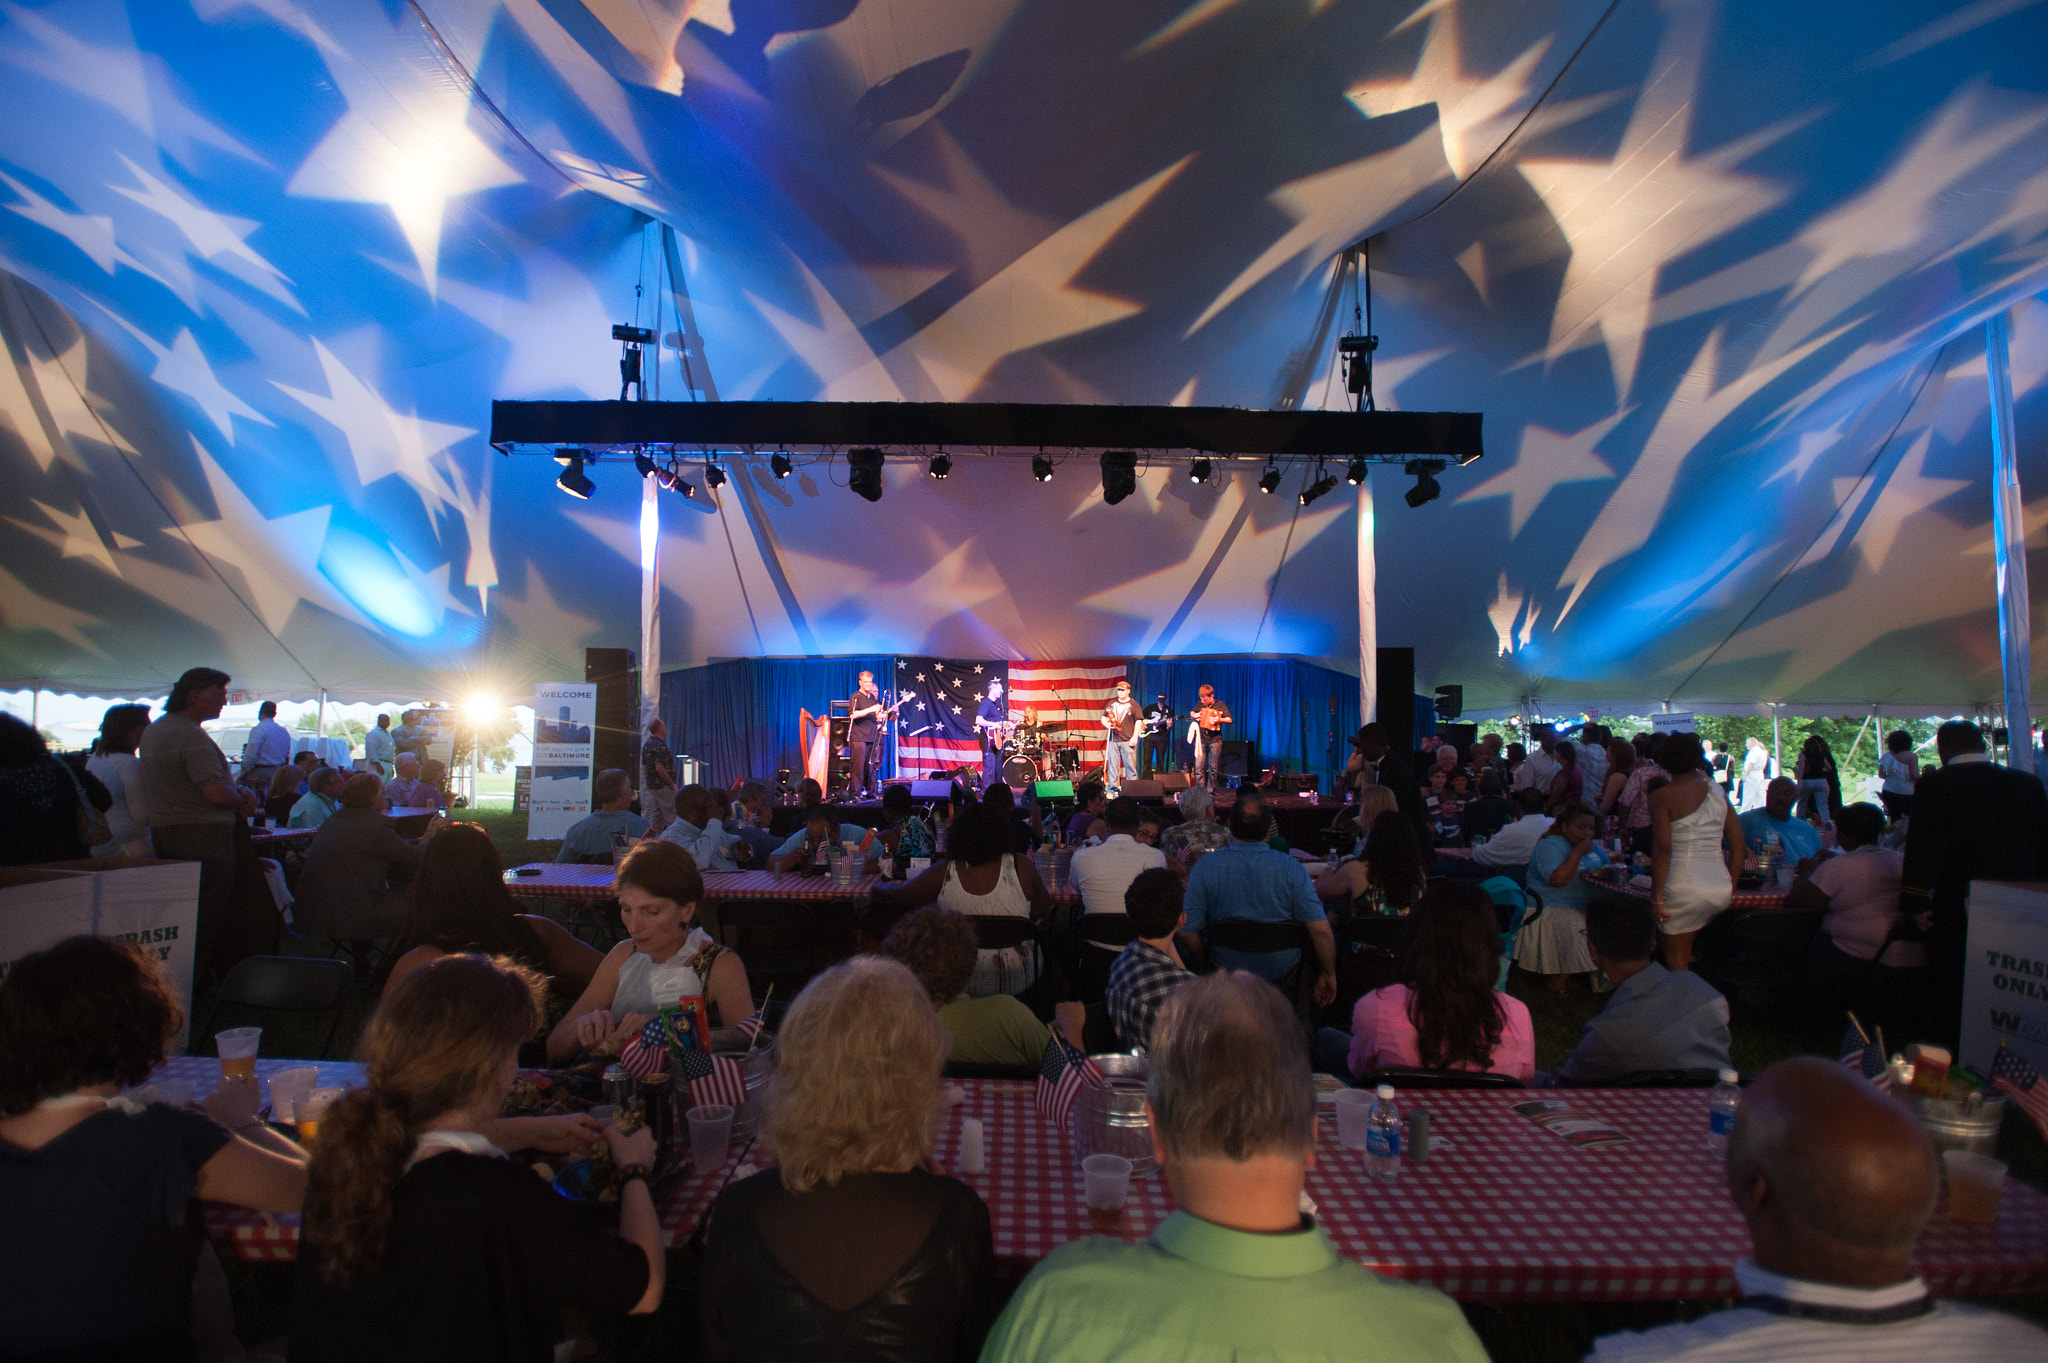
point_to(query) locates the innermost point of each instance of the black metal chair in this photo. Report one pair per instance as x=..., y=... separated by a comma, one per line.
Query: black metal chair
x=1260, y=938
x=304, y=984
x=783, y=943
x=1092, y=933
x=1658, y=1079
x=1753, y=957
x=1412, y=1077
x=1000, y=931
x=1369, y=949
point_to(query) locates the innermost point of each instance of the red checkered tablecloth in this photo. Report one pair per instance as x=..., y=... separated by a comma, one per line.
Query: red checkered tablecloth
x=785, y=886
x=1742, y=899
x=1506, y=1211
x=559, y=880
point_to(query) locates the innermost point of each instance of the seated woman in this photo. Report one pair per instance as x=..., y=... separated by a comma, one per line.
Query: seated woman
x=1387, y=877
x=984, y=877
x=1858, y=892
x=357, y=868
x=1568, y=787
x=666, y=958
x=420, y=1240
x=1555, y=944
x=851, y=1248
x=459, y=904
x=434, y=783
x=937, y=945
x=99, y=1247
x=1445, y=1014
x=287, y=784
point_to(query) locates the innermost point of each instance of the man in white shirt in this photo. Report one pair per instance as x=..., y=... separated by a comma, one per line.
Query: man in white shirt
x=1539, y=768
x=268, y=747
x=380, y=749
x=1103, y=872
x=1513, y=844
x=1835, y=1180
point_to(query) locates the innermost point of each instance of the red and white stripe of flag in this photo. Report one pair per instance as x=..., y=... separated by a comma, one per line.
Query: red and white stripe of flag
x=726, y=1083
x=1073, y=693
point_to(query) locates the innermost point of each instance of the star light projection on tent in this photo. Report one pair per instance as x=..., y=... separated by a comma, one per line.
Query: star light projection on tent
x=1715, y=273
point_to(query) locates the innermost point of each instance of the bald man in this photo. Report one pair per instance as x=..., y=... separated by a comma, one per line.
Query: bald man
x=1835, y=1180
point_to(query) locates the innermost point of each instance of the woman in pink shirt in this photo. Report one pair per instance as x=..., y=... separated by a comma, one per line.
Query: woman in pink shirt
x=1446, y=1014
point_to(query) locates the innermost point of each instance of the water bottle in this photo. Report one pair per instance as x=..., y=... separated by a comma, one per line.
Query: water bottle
x=1383, y=1136
x=1721, y=1109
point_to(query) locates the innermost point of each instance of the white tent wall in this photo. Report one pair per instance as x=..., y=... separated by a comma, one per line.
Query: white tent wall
x=1715, y=273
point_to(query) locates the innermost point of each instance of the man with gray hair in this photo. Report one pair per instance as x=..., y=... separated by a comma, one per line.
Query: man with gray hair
x=1187, y=841
x=322, y=798
x=1237, y=1270
x=1835, y=1180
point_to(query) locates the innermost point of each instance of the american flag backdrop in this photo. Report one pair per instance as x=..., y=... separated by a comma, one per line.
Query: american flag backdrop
x=935, y=728
x=1070, y=693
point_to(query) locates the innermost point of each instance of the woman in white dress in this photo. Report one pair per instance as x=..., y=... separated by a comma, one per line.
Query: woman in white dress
x=1756, y=774
x=984, y=878
x=114, y=762
x=667, y=958
x=1696, y=849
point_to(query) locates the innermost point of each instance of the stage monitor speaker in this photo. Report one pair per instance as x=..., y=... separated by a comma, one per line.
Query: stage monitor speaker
x=1054, y=790
x=1145, y=790
x=1397, y=697
x=1464, y=735
x=1240, y=759
x=1450, y=702
x=1300, y=783
x=931, y=790
x=615, y=737
x=1172, y=781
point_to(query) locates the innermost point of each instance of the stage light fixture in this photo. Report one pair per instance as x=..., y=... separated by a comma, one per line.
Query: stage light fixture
x=714, y=476
x=941, y=465
x=1356, y=473
x=644, y=463
x=1199, y=471
x=1320, y=487
x=1041, y=468
x=1119, y=475
x=672, y=479
x=864, y=473
x=779, y=465
x=1426, y=489
x=573, y=480
x=1271, y=482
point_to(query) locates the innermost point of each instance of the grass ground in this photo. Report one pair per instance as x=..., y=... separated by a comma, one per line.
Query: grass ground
x=1514, y=1332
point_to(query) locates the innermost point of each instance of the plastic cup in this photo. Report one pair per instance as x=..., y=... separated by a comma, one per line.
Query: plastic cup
x=291, y=1087
x=710, y=1134
x=1354, y=1111
x=1974, y=1183
x=237, y=1047
x=1108, y=1180
x=306, y=1114
x=603, y=1115
x=176, y=1092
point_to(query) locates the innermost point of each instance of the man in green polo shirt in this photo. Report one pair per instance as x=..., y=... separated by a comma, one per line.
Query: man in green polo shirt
x=1237, y=1271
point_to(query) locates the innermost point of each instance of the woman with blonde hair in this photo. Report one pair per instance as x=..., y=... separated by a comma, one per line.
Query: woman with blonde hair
x=420, y=1240
x=852, y=1248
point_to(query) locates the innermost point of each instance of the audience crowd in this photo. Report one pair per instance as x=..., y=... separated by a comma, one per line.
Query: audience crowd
x=1195, y=939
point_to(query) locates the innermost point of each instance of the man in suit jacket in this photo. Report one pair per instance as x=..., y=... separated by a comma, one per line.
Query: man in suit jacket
x=1972, y=820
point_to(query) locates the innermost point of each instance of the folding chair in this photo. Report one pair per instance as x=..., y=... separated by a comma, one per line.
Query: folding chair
x=1412, y=1077
x=305, y=984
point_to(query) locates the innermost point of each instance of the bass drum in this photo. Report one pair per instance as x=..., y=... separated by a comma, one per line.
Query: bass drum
x=1019, y=772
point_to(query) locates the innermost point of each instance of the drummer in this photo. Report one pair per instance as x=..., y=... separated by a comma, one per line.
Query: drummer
x=1029, y=737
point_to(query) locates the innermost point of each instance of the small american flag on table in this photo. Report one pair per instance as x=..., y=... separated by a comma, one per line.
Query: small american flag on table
x=1062, y=1074
x=1870, y=1063
x=2012, y=1075
x=711, y=1078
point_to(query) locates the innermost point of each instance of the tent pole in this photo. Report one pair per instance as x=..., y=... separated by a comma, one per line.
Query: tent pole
x=650, y=611
x=1777, y=743
x=35, y=708
x=2009, y=536
x=1368, y=612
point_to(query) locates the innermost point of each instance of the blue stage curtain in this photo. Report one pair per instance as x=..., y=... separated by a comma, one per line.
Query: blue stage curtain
x=1283, y=705
x=740, y=717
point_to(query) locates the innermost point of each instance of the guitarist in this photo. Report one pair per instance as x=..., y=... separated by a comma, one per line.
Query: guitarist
x=865, y=718
x=1210, y=716
x=1155, y=746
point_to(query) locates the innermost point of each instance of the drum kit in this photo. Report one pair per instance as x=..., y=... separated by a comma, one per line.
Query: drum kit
x=1030, y=754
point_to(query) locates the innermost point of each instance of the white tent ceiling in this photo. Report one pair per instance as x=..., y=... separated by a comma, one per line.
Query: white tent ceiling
x=1715, y=273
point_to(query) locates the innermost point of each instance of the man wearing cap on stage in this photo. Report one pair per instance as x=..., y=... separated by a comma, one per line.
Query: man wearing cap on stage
x=989, y=719
x=1120, y=726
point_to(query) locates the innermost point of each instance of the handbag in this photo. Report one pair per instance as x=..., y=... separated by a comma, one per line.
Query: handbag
x=93, y=829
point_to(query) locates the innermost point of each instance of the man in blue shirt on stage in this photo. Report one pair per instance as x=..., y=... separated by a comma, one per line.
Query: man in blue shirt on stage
x=987, y=717
x=1248, y=879
x=1800, y=839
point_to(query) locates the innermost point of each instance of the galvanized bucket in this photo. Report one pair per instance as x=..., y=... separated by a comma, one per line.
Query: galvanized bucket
x=1111, y=1120
x=1961, y=1123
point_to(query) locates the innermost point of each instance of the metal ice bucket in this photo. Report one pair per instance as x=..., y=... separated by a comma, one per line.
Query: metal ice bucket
x=1111, y=1120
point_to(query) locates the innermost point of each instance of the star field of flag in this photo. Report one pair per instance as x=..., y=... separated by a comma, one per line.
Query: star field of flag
x=936, y=724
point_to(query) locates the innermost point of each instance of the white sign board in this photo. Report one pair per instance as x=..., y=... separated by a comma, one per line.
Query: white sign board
x=564, y=713
x=155, y=903
x=2005, y=976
